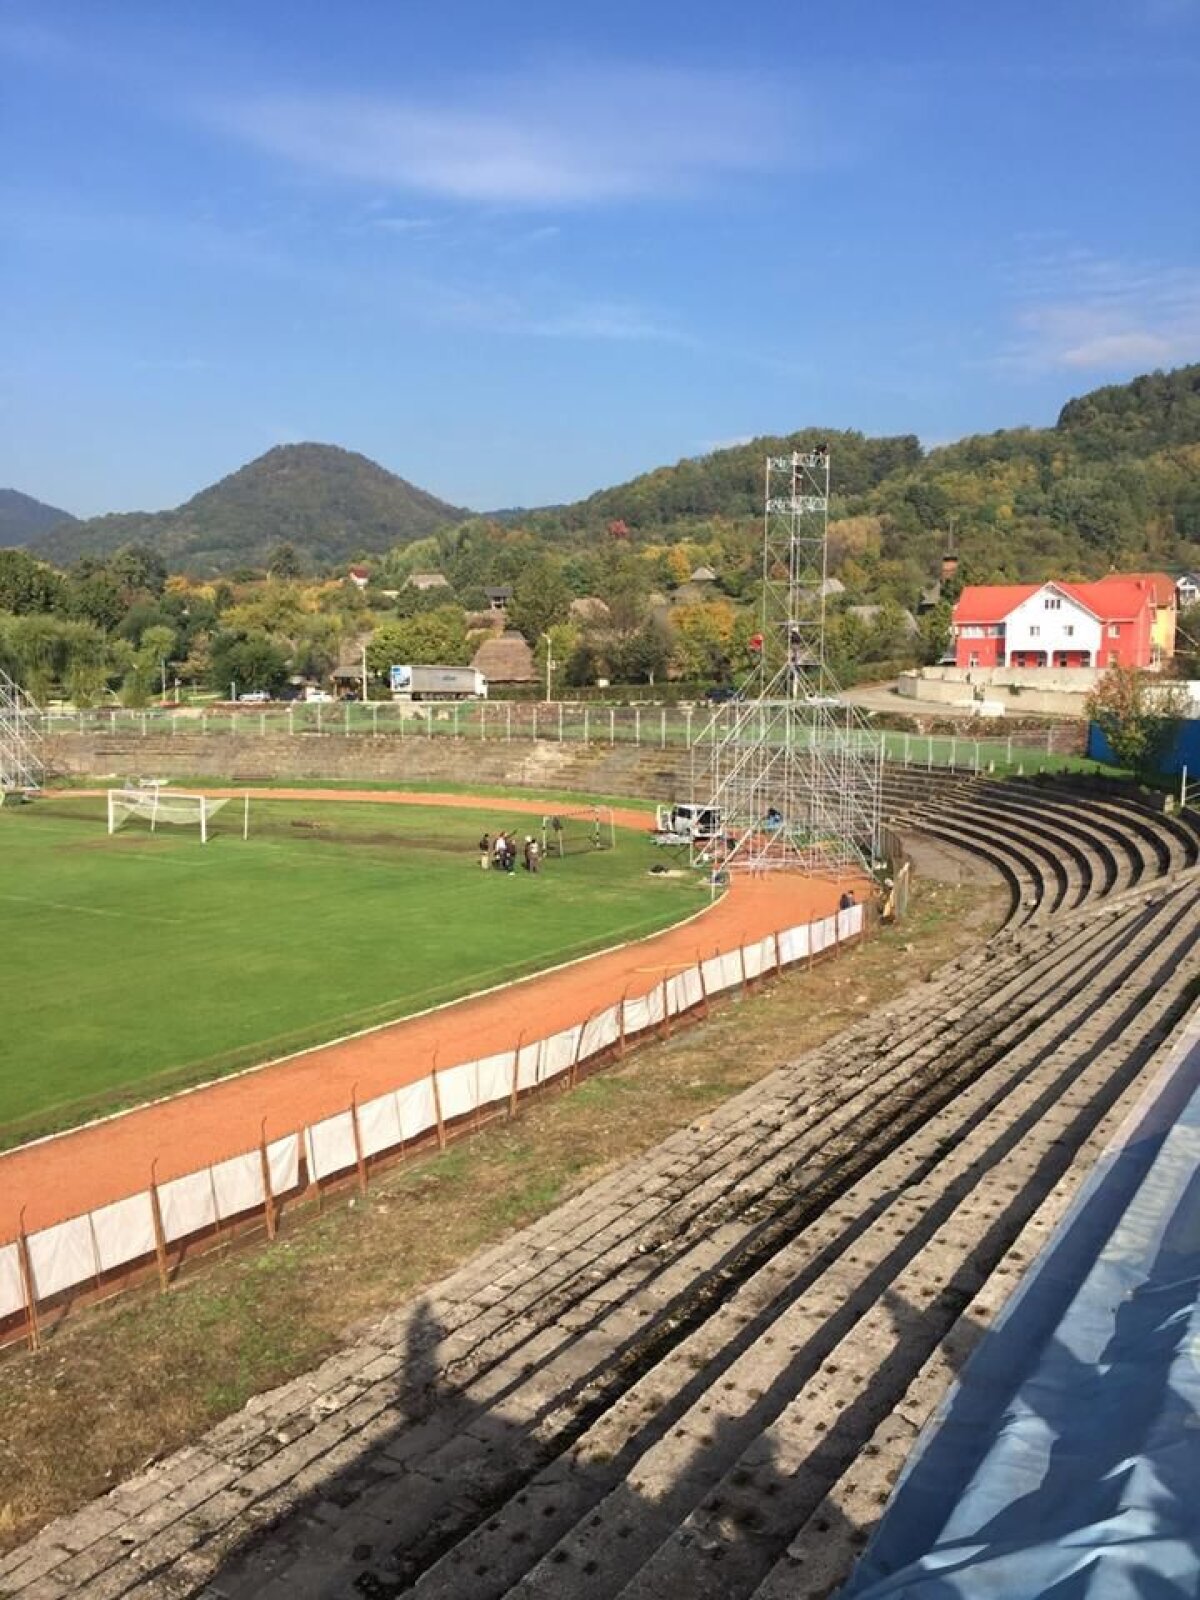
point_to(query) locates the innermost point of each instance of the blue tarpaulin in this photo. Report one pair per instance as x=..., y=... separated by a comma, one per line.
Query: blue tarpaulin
x=1065, y=1462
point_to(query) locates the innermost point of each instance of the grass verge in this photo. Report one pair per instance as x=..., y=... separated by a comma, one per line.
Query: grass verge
x=126, y=1383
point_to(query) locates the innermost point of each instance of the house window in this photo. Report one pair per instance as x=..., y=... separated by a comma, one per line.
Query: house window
x=1035, y=633
x=973, y=660
x=1053, y=603
x=1114, y=630
x=1069, y=630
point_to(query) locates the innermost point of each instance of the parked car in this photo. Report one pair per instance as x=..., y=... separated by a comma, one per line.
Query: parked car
x=721, y=692
x=319, y=697
x=255, y=697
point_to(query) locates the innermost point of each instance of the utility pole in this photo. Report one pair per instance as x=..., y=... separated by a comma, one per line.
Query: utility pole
x=366, y=696
x=549, y=666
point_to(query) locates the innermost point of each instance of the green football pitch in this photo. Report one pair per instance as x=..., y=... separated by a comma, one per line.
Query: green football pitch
x=140, y=963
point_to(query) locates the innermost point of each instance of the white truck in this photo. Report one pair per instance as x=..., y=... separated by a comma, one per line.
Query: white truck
x=686, y=824
x=437, y=683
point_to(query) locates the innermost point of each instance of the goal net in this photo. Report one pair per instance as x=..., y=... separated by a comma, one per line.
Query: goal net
x=162, y=808
x=578, y=828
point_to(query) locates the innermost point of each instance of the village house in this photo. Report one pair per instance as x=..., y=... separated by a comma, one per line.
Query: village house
x=506, y=660
x=1126, y=618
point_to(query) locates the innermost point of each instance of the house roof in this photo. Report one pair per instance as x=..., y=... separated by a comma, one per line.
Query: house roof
x=350, y=655
x=428, y=580
x=703, y=575
x=1161, y=585
x=501, y=591
x=869, y=614
x=507, y=659
x=829, y=586
x=991, y=602
x=590, y=608
x=1117, y=597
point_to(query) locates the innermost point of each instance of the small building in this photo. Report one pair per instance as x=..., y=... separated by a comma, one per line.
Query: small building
x=1187, y=589
x=830, y=588
x=870, y=615
x=359, y=576
x=498, y=596
x=589, y=611
x=424, y=581
x=506, y=659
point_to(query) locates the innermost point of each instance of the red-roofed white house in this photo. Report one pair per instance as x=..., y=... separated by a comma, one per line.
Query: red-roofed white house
x=1060, y=624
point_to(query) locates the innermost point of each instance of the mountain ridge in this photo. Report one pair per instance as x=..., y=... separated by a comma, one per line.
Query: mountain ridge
x=329, y=503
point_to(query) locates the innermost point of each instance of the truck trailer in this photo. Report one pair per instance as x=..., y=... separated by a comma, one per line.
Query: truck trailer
x=437, y=683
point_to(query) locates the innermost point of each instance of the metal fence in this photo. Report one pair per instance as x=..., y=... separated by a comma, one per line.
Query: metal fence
x=562, y=722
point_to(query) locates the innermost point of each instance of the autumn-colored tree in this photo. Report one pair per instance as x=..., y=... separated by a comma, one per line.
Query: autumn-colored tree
x=1135, y=711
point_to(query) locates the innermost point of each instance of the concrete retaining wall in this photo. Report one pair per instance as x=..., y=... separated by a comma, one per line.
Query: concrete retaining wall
x=1021, y=691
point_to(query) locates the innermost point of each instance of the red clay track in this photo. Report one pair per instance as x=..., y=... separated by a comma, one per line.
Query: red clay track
x=76, y=1172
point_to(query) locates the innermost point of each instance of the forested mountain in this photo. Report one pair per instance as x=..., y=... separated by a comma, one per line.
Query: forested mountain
x=1115, y=483
x=22, y=518
x=330, y=505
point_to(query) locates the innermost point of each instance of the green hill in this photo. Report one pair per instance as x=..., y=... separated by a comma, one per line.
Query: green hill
x=1115, y=483
x=330, y=504
x=22, y=518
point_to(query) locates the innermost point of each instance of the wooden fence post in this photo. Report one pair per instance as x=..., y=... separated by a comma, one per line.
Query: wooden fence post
x=512, y=1099
x=703, y=987
x=437, y=1104
x=577, y=1053
x=268, y=1196
x=28, y=1288
x=358, y=1153
x=160, y=1237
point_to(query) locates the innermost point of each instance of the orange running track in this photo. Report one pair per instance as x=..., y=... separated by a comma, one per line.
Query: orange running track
x=74, y=1172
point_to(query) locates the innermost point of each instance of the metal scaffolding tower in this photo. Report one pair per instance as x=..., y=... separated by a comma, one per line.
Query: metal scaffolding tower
x=792, y=772
x=21, y=765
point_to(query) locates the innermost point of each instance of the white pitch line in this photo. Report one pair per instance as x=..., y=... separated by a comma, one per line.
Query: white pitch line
x=90, y=911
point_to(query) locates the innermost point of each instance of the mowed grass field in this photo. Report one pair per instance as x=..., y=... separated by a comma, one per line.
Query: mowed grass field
x=137, y=964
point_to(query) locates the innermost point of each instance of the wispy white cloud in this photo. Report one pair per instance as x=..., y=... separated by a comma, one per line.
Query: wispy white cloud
x=173, y=364
x=409, y=225
x=710, y=446
x=1075, y=310
x=603, y=321
x=567, y=137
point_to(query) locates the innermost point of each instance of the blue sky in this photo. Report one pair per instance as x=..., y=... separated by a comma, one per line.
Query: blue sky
x=517, y=253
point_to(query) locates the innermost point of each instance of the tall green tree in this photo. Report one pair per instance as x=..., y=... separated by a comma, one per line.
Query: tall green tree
x=541, y=597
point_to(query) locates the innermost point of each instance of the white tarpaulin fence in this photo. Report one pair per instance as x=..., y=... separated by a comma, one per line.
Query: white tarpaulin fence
x=82, y=1250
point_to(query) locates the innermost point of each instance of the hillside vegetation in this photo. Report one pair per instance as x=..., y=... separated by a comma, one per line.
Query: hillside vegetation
x=22, y=518
x=331, y=505
x=669, y=565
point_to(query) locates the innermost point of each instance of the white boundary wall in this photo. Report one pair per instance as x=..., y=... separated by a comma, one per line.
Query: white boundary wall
x=79, y=1252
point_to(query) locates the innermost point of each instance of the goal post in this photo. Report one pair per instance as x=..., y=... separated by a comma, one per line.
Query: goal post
x=573, y=828
x=168, y=808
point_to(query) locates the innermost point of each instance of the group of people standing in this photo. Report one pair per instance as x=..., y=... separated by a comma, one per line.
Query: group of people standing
x=501, y=852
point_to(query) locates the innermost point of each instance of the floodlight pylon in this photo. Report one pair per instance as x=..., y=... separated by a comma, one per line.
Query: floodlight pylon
x=21, y=763
x=791, y=770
